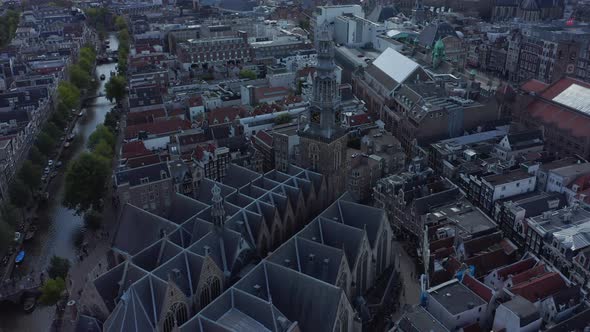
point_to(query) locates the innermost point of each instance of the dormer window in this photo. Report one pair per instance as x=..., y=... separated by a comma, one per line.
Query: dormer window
x=144, y=180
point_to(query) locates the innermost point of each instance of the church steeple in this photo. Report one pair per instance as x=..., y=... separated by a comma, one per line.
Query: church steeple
x=217, y=210
x=325, y=88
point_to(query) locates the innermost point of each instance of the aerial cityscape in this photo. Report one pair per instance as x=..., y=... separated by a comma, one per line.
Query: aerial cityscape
x=294, y=165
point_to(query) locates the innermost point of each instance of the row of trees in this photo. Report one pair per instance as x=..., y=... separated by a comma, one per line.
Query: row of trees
x=81, y=73
x=87, y=176
x=29, y=177
x=124, y=43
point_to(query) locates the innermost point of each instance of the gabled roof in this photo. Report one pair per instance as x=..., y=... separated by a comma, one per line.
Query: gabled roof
x=395, y=65
x=539, y=288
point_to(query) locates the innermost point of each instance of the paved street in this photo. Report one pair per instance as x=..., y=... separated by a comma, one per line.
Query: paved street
x=410, y=294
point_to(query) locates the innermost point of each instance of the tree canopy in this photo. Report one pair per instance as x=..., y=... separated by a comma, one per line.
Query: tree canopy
x=85, y=183
x=30, y=174
x=58, y=267
x=19, y=195
x=6, y=235
x=53, y=131
x=247, y=73
x=36, y=156
x=103, y=149
x=45, y=143
x=101, y=133
x=115, y=88
x=52, y=290
x=120, y=23
x=68, y=94
x=9, y=215
x=79, y=76
x=283, y=118
x=99, y=18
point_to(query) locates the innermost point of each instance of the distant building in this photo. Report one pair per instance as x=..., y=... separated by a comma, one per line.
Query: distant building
x=148, y=187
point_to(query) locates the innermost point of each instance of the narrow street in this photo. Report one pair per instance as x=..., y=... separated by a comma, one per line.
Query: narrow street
x=410, y=294
x=58, y=225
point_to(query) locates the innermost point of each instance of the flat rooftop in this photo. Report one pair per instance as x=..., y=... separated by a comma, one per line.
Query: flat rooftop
x=559, y=220
x=513, y=176
x=455, y=297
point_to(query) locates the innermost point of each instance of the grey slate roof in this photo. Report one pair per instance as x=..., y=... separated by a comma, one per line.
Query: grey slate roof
x=435, y=31
x=174, y=248
x=133, y=176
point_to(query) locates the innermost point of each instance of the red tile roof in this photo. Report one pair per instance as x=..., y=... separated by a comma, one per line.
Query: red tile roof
x=442, y=243
x=489, y=261
x=147, y=116
x=134, y=149
x=540, y=288
x=220, y=114
x=534, y=86
x=561, y=117
x=528, y=274
x=157, y=128
x=559, y=86
x=516, y=268
x=477, y=287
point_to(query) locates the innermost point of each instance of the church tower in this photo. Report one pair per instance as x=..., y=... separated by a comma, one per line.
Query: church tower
x=323, y=142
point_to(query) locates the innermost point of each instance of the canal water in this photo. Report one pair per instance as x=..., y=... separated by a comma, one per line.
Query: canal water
x=59, y=225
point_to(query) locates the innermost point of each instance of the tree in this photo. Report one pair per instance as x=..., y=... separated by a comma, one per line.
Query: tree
x=110, y=120
x=115, y=88
x=85, y=64
x=79, y=77
x=85, y=183
x=103, y=149
x=101, y=133
x=30, y=174
x=123, y=37
x=19, y=195
x=120, y=23
x=58, y=267
x=9, y=215
x=68, y=94
x=52, y=291
x=283, y=118
x=53, y=131
x=36, y=156
x=247, y=73
x=6, y=235
x=45, y=143
x=93, y=220
x=59, y=119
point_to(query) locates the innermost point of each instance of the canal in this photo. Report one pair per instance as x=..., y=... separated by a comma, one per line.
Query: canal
x=58, y=225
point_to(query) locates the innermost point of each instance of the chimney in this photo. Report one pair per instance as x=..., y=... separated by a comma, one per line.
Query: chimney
x=287, y=262
x=311, y=257
x=207, y=250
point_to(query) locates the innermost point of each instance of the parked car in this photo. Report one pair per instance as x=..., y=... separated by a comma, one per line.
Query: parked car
x=17, y=236
x=58, y=164
x=50, y=162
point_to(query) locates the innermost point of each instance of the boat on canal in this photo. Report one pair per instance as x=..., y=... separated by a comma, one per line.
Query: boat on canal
x=102, y=77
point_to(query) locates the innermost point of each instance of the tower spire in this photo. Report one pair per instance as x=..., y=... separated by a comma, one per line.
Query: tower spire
x=217, y=210
x=325, y=88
